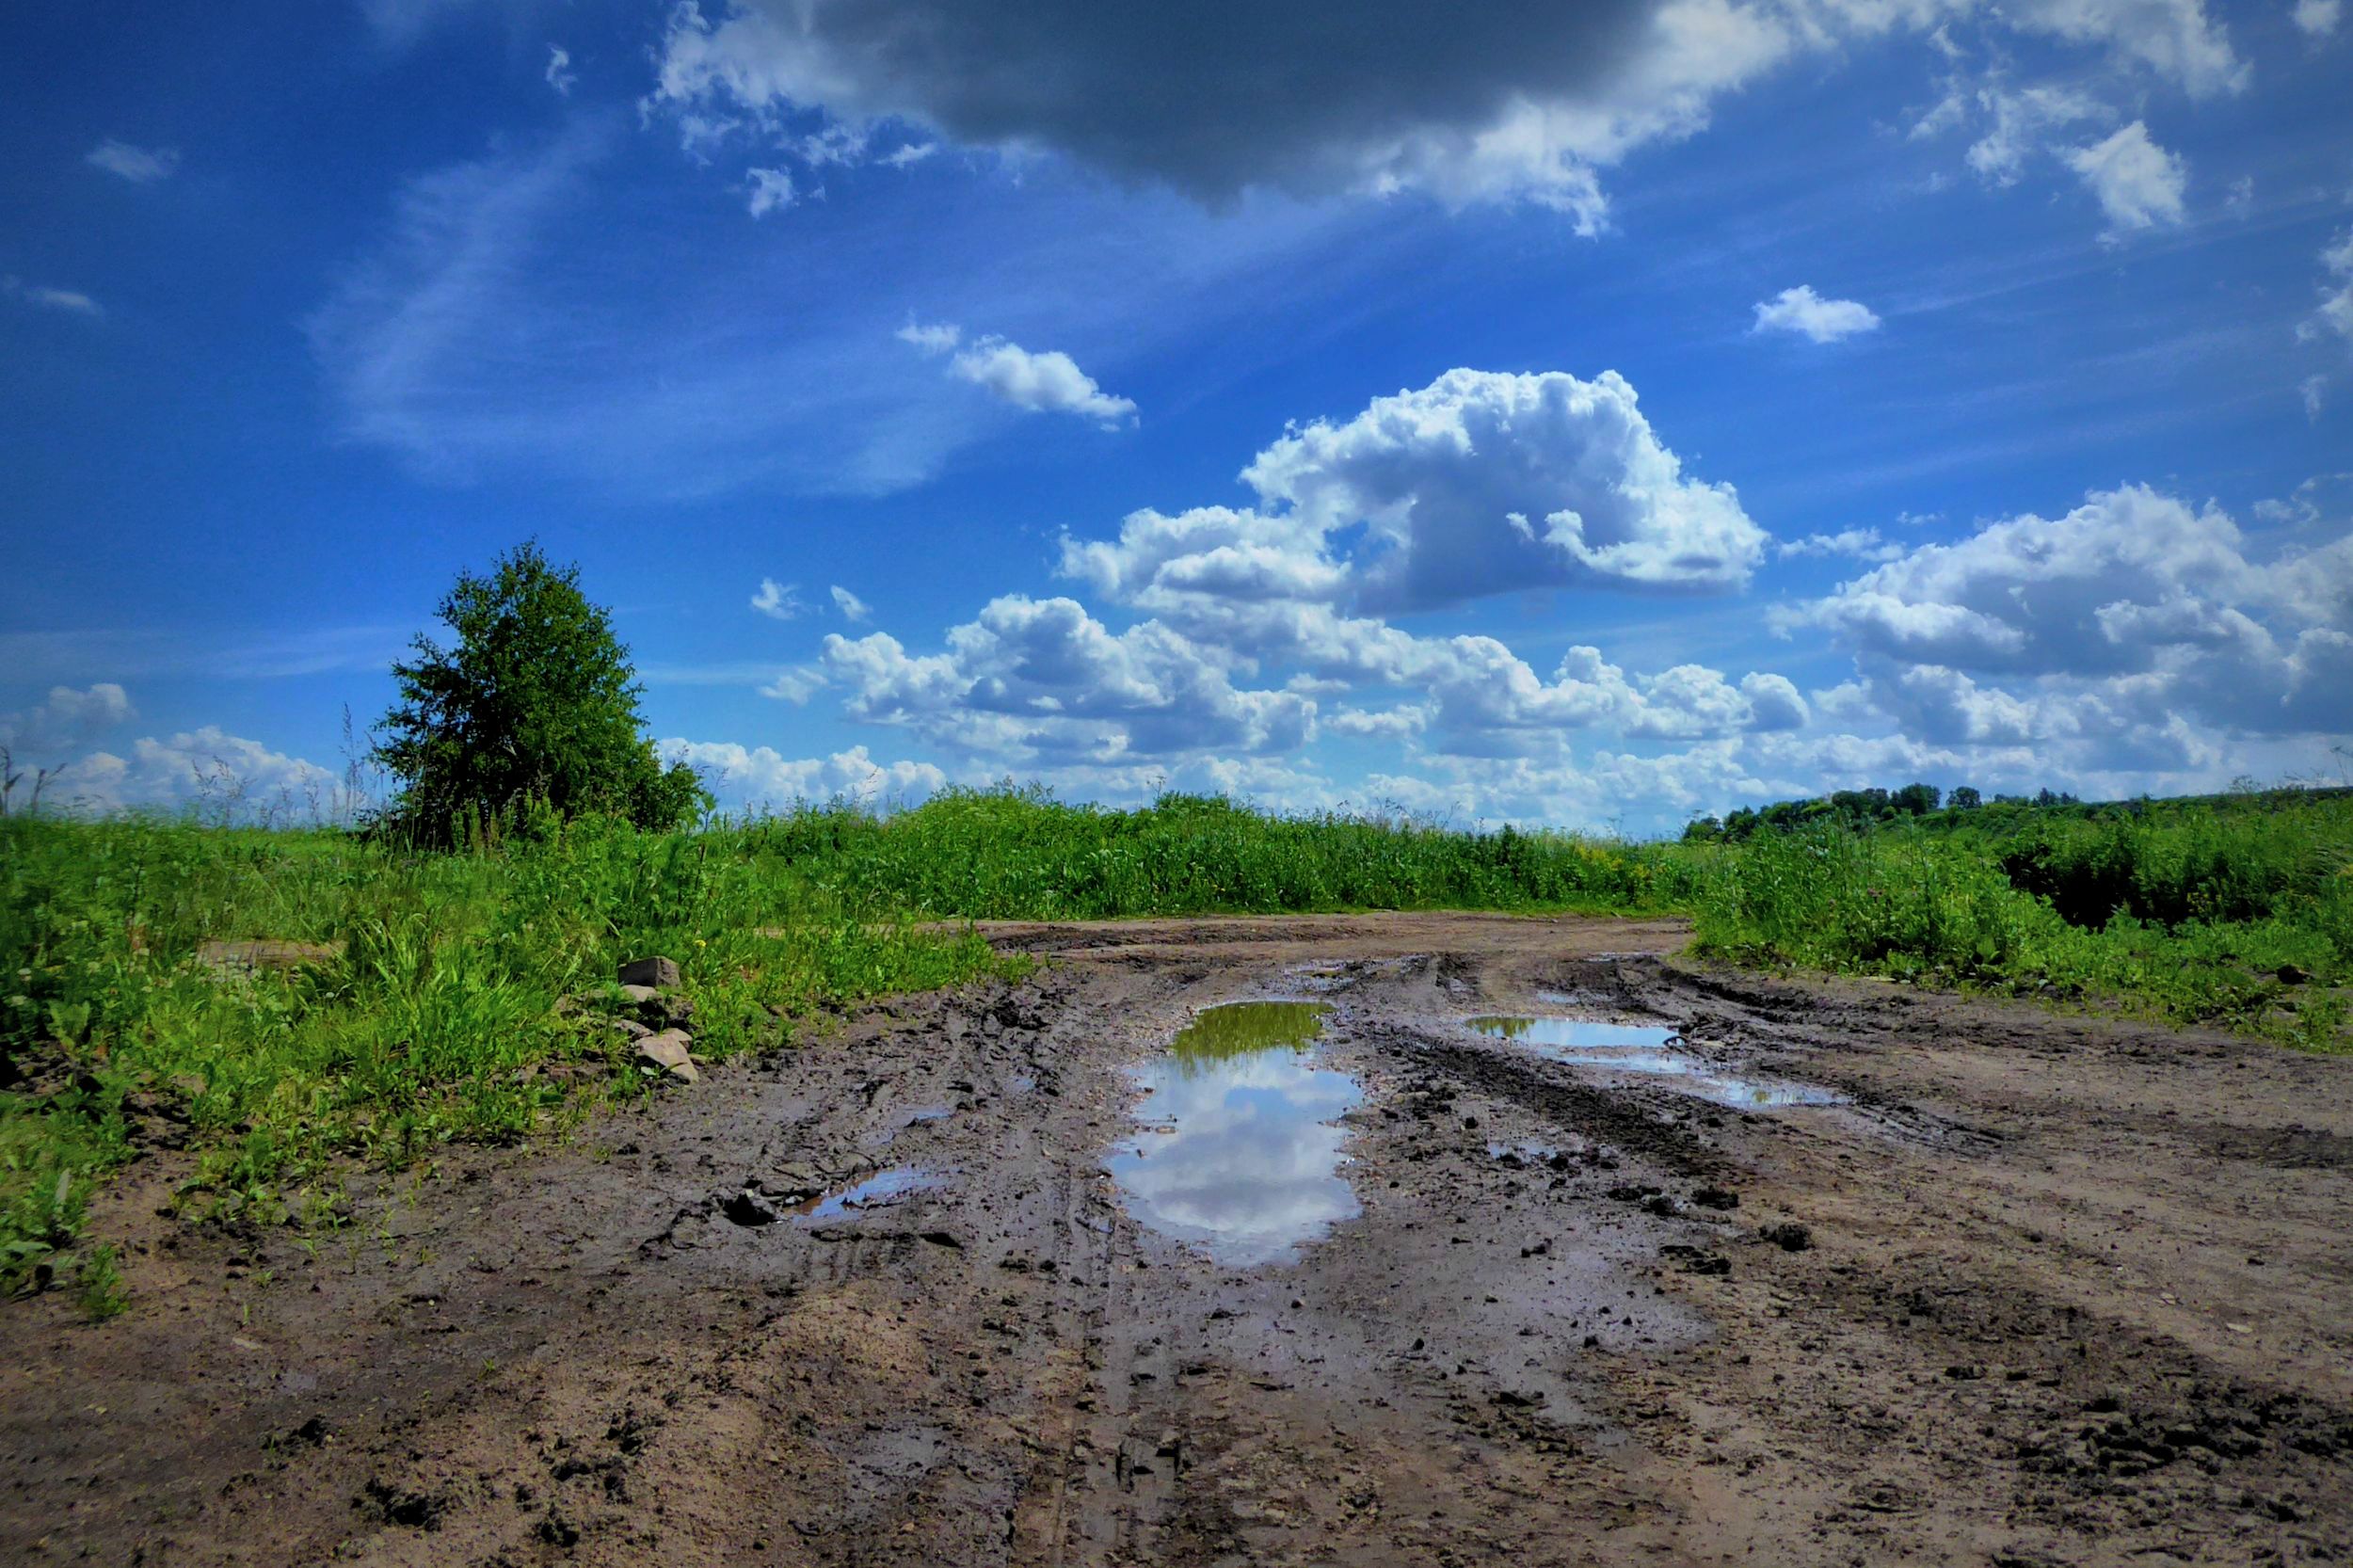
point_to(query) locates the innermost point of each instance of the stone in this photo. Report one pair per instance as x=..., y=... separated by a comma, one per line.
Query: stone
x=629, y=1029
x=668, y=1051
x=638, y=996
x=660, y=973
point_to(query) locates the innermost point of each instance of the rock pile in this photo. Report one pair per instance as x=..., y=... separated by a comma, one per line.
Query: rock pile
x=644, y=1007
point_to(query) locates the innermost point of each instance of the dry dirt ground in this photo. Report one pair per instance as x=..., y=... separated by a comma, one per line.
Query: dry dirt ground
x=2076, y=1292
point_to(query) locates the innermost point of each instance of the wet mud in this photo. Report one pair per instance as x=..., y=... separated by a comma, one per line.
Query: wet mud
x=1093, y=1270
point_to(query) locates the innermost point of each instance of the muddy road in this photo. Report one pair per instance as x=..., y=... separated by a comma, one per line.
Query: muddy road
x=1835, y=1274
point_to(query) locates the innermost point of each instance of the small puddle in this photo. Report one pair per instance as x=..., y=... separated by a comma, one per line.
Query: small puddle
x=1239, y=1156
x=1647, y=1049
x=877, y=1190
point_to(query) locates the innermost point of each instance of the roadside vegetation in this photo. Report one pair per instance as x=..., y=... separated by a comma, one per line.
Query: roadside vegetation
x=2234, y=910
x=413, y=991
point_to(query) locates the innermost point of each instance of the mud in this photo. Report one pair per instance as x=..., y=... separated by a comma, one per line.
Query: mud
x=2038, y=1289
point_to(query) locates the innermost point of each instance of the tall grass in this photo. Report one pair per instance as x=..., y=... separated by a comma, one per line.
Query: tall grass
x=2206, y=914
x=1020, y=855
x=434, y=1019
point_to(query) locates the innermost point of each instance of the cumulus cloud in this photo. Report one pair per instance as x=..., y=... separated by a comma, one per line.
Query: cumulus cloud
x=2140, y=184
x=1043, y=678
x=2120, y=623
x=222, y=772
x=1051, y=382
x=778, y=601
x=1480, y=483
x=141, y=166
x=1504, y=102
x=852, y=607
x=762, y=777
x=2317, y=17
x=1517, y=101
x=1809, y=315
x=71, y=717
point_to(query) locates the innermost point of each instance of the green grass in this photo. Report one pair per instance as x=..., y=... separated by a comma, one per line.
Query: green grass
x=2236, y=914
x=435, y=1019
x=434, y=1022
x=1020, y=855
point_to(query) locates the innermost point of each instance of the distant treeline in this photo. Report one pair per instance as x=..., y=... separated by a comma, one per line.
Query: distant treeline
x=1927, y=805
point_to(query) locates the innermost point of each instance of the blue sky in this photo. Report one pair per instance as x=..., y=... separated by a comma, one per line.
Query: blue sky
x=1591, y=415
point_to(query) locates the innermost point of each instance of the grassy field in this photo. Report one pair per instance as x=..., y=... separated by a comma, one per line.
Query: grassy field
x=434, y=1018
x=2239, y=913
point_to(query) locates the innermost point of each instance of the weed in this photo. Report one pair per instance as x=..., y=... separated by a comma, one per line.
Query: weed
x=104, y=1293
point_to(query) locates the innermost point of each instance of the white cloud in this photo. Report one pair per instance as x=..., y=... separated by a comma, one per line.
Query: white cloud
x=70, y=717
x=2017, y=122
x=1808, y=315
x=1043, y=678
x=795, y=685
x=2174, y=38
x=761, y=776
x=2139, y=183
x=2335, y=313
x=778, y=601
x=559, y=73
x=1051, y=382
x=2122, y=626
x=207, y=768
x=772, y=190
x=1480, y=483
x=2317, y=17
x=69, y=300
x=141, y=166
x=852, y=607
x=2314, y=391
x=1863, y=544
x=908, y=156
x=937, y=339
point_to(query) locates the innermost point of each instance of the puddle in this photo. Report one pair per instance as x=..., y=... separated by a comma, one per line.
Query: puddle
x=877, y=1190
x=1578, y=1035
x=1650, y=1050
x=1238, y=1155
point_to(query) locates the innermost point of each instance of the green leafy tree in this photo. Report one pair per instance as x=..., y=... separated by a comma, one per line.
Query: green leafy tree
x=537, y=703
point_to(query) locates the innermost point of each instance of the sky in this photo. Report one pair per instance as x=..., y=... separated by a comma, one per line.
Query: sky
x=1590, y=415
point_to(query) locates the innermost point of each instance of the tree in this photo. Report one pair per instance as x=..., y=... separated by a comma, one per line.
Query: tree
x=1916, y=800
x=1965, y=799
x=536, y=701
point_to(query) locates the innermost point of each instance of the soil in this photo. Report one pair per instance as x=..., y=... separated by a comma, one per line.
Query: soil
x=2043, y=1289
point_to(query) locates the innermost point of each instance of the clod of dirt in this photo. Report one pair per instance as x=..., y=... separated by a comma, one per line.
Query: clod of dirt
x=660, y=973
x=1719, y=1198
x=747, y=1208
x=394, y=1505
x=1698, y=1261
x=1789, y=1235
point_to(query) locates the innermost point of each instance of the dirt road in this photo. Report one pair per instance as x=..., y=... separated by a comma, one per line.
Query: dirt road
x=2035, y=1289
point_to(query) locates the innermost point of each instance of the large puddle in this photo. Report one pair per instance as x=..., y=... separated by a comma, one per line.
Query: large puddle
x=1648, y=1050
x=1239, y=1156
